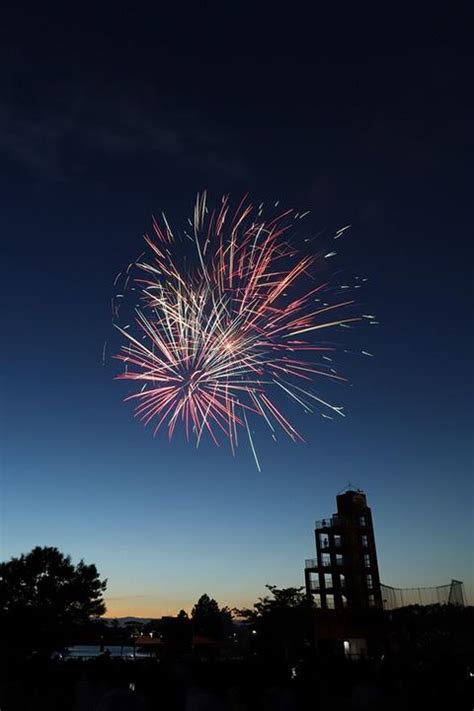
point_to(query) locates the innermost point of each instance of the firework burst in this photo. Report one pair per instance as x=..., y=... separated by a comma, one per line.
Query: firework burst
x=227, y=319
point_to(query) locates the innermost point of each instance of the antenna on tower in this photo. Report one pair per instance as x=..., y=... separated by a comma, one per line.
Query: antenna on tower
x=349, y=487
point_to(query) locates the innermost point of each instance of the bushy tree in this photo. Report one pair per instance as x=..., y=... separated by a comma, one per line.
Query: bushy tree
x=44, y=598
x=282, y=622
x=177, y=633
x=209, y=619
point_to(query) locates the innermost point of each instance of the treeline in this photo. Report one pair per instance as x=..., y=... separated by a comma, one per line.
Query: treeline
x=48, y=603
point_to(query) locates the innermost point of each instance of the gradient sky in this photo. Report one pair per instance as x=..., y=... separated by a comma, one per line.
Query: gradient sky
x=108, y=118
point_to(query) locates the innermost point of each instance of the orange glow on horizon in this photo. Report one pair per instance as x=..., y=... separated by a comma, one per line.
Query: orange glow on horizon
x=155, y=608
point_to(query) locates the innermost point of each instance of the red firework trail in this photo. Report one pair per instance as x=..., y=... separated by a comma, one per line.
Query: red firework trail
x=212, y=344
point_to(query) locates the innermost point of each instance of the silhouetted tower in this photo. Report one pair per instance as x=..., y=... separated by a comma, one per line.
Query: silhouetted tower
x=345, y=573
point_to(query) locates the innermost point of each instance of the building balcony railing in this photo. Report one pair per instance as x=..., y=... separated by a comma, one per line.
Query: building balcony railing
x=314, y=586
x=340, y=521
x=325, y=563
x=326, y=545
x=334, y=522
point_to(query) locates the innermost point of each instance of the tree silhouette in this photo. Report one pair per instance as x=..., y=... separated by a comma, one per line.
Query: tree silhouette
x=209, y=620
x=45, y=598
x=177, y=633
x=283, y=623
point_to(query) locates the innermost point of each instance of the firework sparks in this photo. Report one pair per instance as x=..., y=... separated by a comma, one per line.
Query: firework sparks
x=219, y=333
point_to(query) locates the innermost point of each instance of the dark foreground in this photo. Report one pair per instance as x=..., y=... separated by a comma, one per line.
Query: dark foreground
x=107, y=684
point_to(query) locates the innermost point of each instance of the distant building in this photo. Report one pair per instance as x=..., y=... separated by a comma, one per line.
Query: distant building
x=345, y=575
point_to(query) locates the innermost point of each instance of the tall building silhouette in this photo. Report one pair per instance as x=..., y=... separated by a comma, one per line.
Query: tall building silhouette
x=345, y=575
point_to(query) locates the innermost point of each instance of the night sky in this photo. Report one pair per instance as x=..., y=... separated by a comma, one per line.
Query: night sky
x=108, y=118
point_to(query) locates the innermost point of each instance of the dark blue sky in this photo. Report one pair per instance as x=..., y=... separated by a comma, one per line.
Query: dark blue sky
x=105, y=120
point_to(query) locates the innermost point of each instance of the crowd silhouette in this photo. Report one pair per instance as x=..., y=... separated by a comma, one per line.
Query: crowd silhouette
x=109, y=684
